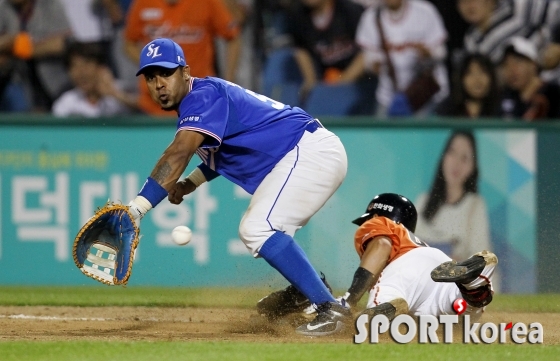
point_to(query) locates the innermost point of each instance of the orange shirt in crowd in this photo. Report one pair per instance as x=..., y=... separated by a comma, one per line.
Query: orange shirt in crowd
x=193, y=24
x=403, y=240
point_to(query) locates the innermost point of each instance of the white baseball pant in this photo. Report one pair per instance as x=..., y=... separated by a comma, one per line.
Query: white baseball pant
x=408, y=277
x=295, y=189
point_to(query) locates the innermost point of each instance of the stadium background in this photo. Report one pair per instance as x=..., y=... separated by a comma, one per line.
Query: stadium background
x=197, y=302
x=53, y=177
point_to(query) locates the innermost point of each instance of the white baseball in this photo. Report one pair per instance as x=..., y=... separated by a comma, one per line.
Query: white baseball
x=181, y=235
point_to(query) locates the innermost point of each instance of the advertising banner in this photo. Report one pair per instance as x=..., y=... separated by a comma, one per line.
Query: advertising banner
x=53, y=179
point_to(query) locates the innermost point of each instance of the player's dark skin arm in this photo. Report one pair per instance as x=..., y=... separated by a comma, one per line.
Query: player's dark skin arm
x=168, y=87
x=376, y=254
x=373, y=261
x=175, y=158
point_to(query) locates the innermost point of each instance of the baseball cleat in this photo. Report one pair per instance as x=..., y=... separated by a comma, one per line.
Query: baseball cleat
x=477, y=297
x=473, y=277
x=390, y=309
x=480, y=266
x=311, y=311
x=286, y=301
x=331, y=318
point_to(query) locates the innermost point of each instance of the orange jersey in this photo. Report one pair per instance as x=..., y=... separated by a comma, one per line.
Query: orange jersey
x=403, y=240
x=193, y=24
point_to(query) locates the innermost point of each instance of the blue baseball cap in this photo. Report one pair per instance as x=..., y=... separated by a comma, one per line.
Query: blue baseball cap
x=161, y=52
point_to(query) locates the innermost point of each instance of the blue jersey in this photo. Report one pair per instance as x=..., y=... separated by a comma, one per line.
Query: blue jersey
x=246, y=133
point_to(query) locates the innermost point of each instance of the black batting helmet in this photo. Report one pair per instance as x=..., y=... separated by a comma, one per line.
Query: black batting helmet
x=393, y=206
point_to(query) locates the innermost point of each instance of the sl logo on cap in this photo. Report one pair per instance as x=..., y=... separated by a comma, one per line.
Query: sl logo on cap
x=153, y=51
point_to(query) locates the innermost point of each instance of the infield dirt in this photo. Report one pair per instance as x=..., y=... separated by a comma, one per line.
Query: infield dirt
x=196, y=324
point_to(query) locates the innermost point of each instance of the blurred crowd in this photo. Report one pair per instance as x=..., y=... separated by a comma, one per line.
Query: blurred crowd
x=379, y=58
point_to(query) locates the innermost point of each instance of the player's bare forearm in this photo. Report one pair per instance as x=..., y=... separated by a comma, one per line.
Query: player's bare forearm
x=176, y=157
x=374, y=259
x=162, y=171
x=170, y=167
x=376, y=254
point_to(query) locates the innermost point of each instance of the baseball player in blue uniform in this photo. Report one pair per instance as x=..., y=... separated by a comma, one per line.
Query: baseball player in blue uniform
x=280, y=154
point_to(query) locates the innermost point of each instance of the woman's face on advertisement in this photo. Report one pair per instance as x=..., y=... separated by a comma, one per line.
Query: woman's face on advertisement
x=458, y=162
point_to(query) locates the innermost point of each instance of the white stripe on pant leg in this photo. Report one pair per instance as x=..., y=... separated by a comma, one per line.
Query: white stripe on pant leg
x=254, y=228
x=280, y=192
x=289, y=195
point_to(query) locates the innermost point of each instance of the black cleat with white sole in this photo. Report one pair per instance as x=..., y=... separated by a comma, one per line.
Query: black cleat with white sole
x=462, y=272
x=286, y=301
x=472, y=277
x=331, y=318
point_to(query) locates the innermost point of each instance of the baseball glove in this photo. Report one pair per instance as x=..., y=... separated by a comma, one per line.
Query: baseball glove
x=104, y=247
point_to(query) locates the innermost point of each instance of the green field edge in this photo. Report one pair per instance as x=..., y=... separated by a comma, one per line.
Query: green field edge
x=248, y=351
x=94, y=296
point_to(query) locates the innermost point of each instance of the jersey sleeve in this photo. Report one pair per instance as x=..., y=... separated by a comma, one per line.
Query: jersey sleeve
x=206, y=111
x=402, y=240
x=208, y=172
x=133, y=29
x=377, y=227
x=223, y=22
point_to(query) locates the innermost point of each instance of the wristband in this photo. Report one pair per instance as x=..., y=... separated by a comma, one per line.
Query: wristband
x=209, y=173
x=139, y=207
x=153, y=192
x=362, y=282
x=197, y=177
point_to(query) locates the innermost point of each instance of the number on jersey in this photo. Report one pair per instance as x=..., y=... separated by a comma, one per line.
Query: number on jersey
x=275, y=104
x=416, y=240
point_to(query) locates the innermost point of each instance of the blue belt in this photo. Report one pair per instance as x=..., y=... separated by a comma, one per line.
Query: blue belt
x=313, y=125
